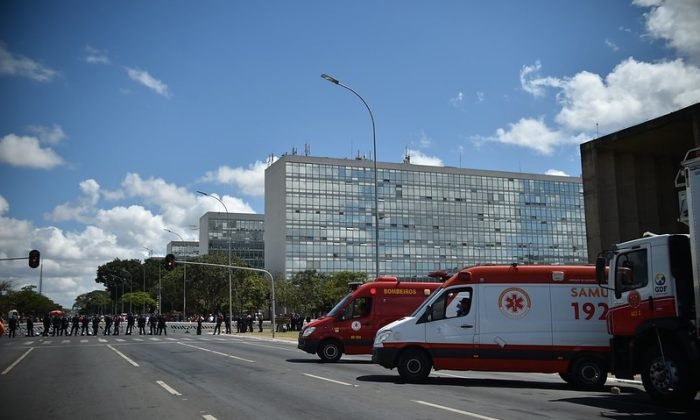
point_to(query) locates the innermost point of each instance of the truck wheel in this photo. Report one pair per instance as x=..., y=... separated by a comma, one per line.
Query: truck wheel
x=414, y=366
x=588, y=374
x=668, y=384
x=330, y=351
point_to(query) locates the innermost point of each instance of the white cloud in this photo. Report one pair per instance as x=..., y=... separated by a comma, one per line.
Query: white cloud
x=632, y=93
x=677, y=22
x=17, y=65
x=144, y=78
x=95, y=56
x=251, y=180
x=48, y=135
x=532, y=83
x=556, y=172
x=480, y=97
x=457, y=100
x=420, y=158
x=611, y=45
x=533, y=134
x=24, y=151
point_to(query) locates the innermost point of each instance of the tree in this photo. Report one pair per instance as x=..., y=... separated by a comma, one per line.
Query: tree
x=26, y=301
x=93, y=302
x=138, y=300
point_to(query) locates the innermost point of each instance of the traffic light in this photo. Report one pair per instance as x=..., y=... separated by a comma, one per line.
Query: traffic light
x=170, y=262
x=34, y=258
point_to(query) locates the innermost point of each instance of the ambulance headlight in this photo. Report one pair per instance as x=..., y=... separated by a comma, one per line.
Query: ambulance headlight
x=307, y=332
x=381, y=338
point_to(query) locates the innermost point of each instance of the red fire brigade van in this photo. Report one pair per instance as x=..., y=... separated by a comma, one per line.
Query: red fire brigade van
x=350, y=326
x=534, y=318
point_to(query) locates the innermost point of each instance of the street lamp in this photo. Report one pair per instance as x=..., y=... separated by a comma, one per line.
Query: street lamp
x=131, y=288
x=184, y=277
x=374, y=144
x=230, y=294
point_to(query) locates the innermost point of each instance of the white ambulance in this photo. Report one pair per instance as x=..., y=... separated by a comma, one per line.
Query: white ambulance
x=533, y=318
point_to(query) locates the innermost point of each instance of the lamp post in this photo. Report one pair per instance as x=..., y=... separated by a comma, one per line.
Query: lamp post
x=230, y=294
x=150, y=254
x=374, y=144
x=131, y=287
x=184, y=277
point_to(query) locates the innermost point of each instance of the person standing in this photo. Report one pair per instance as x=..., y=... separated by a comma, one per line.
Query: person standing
x=75, y=322
x=117, y=321
x=64, y=325
x=13, y=326
x=260, y=322
x=30, y=326
x=47, y=324
x=55, y=325
x=108, y=325
x=161, y=325
x=199, y=324
x=129, y=323
x=84, y=322
x=142, y=324
x=95, y=324
x=217, y=327
x=227, y=322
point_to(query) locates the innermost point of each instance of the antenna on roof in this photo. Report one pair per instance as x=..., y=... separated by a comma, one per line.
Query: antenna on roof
x=307, y=149
x=406, y=156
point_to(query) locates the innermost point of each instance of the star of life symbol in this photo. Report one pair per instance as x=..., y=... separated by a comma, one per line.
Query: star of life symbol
x=514, y=303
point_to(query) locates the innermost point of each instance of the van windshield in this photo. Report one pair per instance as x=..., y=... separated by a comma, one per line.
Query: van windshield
x=419, y=310
x=333, y=312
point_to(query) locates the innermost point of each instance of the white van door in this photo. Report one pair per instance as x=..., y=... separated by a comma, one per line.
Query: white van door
x=451, y=327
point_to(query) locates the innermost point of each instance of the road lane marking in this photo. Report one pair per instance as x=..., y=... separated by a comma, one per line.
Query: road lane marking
x=26, y=343
x=454, y=410
x=154, y=339
x=46, y=342
x=120, y=340
x=65, y=341
x=101, y=340
x=208, y=417
x=217, y=352
x=138, y=339
x=168, y=388
x=83, y=341
x=124, y=356
x=9, y=368
x=327, y=379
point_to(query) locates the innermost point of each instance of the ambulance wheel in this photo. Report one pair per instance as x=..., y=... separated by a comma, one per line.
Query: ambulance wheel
x=330, y=351
x=588, y=373
x=670, y=383
x=414, y=366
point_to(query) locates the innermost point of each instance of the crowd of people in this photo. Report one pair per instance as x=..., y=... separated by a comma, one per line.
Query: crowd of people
x=110, y=324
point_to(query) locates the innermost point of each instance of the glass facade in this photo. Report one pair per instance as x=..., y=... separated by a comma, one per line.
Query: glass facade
x=245, y=232
x=183, y=249
x=430, y=218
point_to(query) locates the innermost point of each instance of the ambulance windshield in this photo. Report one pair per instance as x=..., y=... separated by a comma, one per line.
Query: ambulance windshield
x=336, y=308
x=419, y=310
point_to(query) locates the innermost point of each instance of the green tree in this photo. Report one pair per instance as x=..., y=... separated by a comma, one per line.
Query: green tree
x=138, y=300
x=96, y=301
x=26, y=301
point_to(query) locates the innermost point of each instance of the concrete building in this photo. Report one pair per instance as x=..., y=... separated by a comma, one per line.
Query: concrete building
x=319, y=215
x=244, y=230
x=629, y=179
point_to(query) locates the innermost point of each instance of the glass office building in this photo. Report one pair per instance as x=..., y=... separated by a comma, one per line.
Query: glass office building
x=319, y=215
x=183, y=248
x=243, y=230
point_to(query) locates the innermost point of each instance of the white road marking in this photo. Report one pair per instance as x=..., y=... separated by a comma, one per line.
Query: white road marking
x=154, y=339
x=217, y=352
x=83, y=341
x=65, y=341
x=208, y=417
x=46, y=342
x=26, y=343
x=101, y=340
x=124, y=356
x=16, y=362
x=138, y=339
x=327, y=379
x=454, y=410
x=121, y=340
x=168, y=388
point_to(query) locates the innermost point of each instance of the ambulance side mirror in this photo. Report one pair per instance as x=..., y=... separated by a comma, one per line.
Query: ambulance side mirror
x=600, y=264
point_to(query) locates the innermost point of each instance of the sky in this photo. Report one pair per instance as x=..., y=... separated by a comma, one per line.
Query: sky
x=113, y=114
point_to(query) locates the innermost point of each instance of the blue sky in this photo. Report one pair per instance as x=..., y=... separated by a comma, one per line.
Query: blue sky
x=114, y=113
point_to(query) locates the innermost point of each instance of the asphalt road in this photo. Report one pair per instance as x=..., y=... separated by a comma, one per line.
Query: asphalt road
x=184, y=376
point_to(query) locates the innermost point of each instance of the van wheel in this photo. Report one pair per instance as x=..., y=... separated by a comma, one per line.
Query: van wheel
x=414, y=366
x=668, y=383
x=588, y=374
x=330, y=351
